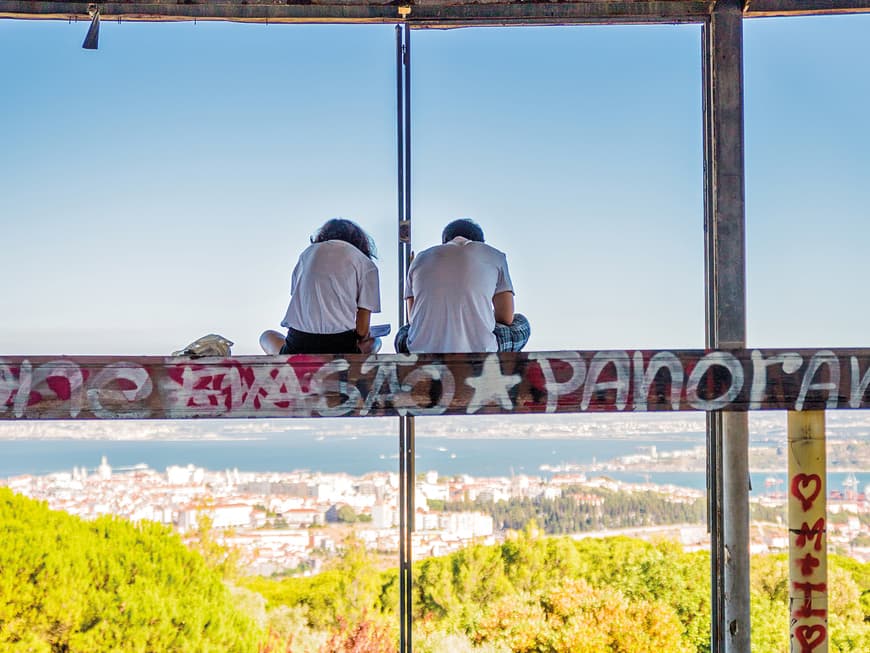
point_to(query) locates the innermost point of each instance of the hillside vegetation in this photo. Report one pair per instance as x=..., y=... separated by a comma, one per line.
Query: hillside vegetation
x=67, y=585
x=108, y=585
x=538, y=594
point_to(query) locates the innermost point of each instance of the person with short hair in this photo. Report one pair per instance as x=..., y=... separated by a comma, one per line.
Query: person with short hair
x=460, y=297
x=334, y=289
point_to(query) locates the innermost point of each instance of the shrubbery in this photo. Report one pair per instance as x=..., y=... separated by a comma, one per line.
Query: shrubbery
x=108, y=585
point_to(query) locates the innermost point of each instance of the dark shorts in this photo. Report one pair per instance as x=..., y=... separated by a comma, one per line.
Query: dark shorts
x=300, y=342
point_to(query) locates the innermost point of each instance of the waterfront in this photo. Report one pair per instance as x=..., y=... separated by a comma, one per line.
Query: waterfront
x=449, y=456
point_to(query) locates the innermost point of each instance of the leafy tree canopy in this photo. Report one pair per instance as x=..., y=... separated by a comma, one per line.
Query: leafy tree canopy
x=108, y=585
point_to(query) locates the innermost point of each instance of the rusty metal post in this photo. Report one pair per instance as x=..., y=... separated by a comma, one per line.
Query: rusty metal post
x=404, y=235
x=406, y=422
x=807, y=533
x=725, y=272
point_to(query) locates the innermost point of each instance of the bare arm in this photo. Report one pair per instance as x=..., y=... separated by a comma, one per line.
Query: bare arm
x=503, y=305
x=409, y=301
x=363, y=321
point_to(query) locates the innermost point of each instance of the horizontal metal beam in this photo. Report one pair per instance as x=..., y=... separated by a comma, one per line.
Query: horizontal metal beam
x=763, y=8
x=451, y=384
x=424, y=13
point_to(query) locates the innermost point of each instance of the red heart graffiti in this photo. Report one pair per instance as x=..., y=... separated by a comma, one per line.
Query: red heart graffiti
x=809, y=637
x=802, y=481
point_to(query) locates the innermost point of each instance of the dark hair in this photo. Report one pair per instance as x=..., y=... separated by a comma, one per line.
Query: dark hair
x=462, y=227
x=348, y=231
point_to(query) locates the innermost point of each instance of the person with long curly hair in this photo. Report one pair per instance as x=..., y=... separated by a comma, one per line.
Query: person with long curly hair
x=333, y=292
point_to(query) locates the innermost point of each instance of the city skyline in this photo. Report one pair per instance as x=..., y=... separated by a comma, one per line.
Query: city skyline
x=288, y=520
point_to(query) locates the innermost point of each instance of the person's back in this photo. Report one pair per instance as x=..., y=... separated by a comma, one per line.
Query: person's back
x=453, y=285
x=460, y=297
x=334, y=290
x=330, y=281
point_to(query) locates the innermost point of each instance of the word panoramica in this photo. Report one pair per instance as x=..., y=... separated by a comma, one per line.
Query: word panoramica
x=448, y=384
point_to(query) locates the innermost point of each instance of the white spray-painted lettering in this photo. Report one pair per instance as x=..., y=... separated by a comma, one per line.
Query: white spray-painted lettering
x=280, y=389
x=328, y=387
x=622, y=382
x=203, y=388
x=386, y=374
x=832, y=386
x=858, y=388
x=790, y=361
x=715, y=359
x=98, y=393
x=554, y=388
x=46, y=376
x=491, y=386
x=432, y=372
x=15, y=387
x=323, y=383
x=9, y=384
x=643, y=379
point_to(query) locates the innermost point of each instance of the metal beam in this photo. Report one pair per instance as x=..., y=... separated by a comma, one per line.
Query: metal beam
x=407, y=446
x=765, y=8
x=725, y=267
x=63, y=387
x=425, y=13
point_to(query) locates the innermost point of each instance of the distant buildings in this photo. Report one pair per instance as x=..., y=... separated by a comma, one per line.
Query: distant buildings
x=288, y=521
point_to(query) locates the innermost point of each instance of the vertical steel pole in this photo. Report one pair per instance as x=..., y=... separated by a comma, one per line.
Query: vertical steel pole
x=807, y=532
x=406, y=423
x=400, y=176
x=728, y=434
x=713, y=420
x=400, y=163
x=410, y=445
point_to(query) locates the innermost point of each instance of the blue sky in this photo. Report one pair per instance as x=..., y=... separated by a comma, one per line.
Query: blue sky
x=162, y=187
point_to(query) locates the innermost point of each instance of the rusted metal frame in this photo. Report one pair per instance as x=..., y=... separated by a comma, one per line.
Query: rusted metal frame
x=725, y=268
x=468, y=14
x=401, y=230
x=410, y=431
x=771, y=8
x=425, y=13
x=65, y=387
x=713, y=420
x=406, y=422
x=402, y=226
x=409, y=489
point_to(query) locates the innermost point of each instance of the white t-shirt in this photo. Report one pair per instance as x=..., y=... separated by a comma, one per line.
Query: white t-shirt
x=331, y=280
x=453, y=285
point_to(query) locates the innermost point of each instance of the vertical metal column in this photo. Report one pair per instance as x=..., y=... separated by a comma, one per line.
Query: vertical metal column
x=725, y=272
x=406, y=423
x=410, y=445
x=713, y=420
x=400, y=178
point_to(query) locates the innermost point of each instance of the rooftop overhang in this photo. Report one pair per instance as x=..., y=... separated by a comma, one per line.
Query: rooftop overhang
x=420, y=13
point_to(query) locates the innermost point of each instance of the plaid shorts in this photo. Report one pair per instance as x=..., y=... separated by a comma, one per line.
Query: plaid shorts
x=515, y=336
x=509, y=338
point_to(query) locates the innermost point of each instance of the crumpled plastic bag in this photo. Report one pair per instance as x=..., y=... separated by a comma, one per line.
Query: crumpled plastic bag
x=210, y=345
